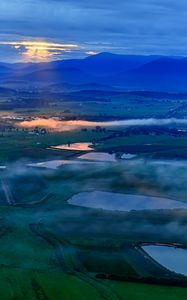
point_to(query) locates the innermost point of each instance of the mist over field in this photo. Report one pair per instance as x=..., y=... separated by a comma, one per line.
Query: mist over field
x=59, y=126
x=71, y=223
x=145, y=176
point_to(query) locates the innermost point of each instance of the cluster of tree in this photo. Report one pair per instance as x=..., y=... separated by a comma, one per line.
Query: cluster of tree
x=154, y=130
x=176, y=280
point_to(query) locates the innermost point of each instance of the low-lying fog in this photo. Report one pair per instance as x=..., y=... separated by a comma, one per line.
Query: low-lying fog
x=167, y=179
x=58, y=125
x=75, y=222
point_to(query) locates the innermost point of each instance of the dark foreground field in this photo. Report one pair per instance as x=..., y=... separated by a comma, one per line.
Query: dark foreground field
x=53, y=250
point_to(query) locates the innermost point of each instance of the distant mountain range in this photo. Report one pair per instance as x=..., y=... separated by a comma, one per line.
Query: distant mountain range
x=104, y=70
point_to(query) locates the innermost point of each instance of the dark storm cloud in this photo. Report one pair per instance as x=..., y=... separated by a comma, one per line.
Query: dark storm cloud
x=139, y=26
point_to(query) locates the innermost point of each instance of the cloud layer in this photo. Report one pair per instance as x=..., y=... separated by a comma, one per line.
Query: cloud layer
x=137, y=27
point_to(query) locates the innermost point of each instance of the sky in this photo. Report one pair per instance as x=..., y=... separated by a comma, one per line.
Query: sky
x=41, y=30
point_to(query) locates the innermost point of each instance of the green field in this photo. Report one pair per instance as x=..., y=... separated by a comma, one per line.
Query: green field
x=33, y=285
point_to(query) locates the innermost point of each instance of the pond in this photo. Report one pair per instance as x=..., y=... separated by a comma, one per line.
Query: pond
x=54, y=164
x=98, y=156
x=123, y=202
x=128, y=156
x=172, y=258
x=75, y=146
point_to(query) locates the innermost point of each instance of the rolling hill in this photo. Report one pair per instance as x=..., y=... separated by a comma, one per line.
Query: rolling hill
x=130, y=72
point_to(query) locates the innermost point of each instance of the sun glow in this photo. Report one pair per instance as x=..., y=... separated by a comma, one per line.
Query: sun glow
x=35, y=53
x=91, y=52
x=40, y=50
